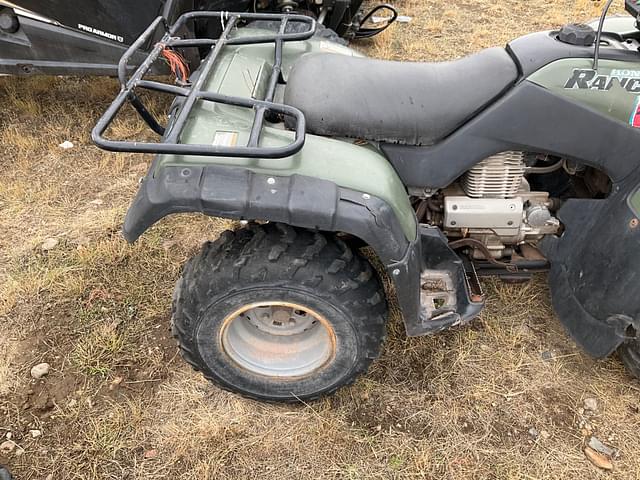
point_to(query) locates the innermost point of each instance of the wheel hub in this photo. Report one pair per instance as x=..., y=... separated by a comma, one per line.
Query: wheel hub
x=279, y=320
x=278, y=339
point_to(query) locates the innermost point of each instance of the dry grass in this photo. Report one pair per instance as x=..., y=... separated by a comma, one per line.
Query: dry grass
x=119, y=404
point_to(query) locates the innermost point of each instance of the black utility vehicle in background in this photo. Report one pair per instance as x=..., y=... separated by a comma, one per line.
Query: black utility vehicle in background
x=88, y=37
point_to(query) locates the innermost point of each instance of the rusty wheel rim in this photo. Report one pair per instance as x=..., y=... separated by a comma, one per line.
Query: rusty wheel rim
x=278, y=339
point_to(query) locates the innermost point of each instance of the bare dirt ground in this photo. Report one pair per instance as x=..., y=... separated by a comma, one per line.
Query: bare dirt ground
x=501, y=398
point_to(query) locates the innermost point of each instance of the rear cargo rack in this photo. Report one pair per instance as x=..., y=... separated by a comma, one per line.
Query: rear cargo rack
x=193, y=92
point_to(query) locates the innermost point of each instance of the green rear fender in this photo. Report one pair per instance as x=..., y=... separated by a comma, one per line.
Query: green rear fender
x=331, y=184
x=244, y=72
x=359, y=168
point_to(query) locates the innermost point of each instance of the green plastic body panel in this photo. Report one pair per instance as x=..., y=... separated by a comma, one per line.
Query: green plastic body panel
x=623, y=25
x=605, y=92
x=634, y=202
x=244, y=72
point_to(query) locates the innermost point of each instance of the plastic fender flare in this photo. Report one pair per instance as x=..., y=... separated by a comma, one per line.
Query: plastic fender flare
x=296, y=200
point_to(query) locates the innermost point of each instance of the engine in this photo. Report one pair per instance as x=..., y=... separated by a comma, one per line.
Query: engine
x=492, y=203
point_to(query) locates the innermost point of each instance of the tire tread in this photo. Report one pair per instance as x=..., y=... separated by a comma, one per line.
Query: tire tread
x=281, y=253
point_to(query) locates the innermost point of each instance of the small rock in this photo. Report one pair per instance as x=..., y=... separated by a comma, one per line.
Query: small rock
x=547, y=355
x=35, y=433
x=533, y=432
x=600, y=447
x=66, y=145
x=590, y=404
x=8, y=435
x=7, y=446
x=49, y=244
x=40, y=370
x=598, y=459
x=149, y=454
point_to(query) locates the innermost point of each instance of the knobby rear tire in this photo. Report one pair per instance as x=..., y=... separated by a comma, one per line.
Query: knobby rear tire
x=276, y=262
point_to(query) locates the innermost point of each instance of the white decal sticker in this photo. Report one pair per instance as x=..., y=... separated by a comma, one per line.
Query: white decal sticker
x=96, y=31
x=225, y=139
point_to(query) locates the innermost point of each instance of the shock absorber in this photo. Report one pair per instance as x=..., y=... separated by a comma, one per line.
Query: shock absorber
x=287, y=6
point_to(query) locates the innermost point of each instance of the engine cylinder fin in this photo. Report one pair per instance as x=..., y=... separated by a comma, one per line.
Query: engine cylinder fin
x=498, y=176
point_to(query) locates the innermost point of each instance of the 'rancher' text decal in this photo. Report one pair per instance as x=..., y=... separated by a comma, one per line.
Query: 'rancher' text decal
x=591, y=80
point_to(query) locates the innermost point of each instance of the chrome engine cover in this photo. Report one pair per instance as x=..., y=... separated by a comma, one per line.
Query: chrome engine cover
x=503, y=216
x=493, y=204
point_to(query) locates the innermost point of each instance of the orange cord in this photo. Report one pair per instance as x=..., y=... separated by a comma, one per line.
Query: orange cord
x=177, y=64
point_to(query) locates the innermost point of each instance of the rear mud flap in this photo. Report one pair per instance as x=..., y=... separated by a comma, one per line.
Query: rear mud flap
x=595, y=270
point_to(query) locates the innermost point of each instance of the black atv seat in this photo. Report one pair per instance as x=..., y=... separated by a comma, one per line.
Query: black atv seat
x=398, y=102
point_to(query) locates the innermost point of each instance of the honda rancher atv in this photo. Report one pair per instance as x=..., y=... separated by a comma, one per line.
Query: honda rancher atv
x=512, y=161
x=81, y=37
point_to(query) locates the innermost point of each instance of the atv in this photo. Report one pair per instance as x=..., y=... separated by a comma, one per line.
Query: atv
x=509, y=162
x=77, y=37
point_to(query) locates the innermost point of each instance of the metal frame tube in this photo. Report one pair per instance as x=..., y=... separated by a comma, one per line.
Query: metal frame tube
x=193, y=93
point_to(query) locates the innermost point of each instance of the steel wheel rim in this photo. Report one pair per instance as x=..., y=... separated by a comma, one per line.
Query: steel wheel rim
x=278, y=339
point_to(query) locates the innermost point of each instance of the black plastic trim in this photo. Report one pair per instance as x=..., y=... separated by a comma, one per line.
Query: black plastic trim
x=521, y=120
x=122, y=19
x=41, y=48
x=599, y=338
x=437, y=255
x=296, y=200
x=594, y=269
x=534, y=51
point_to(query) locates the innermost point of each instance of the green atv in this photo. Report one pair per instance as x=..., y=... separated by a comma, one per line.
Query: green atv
x=512, y=161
